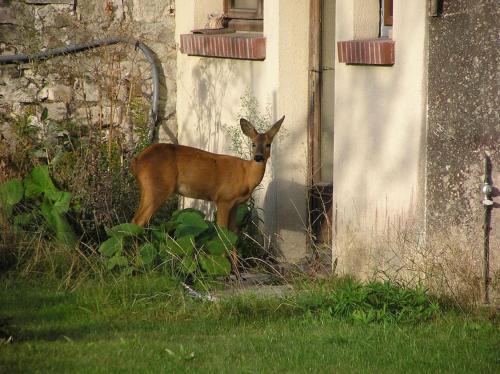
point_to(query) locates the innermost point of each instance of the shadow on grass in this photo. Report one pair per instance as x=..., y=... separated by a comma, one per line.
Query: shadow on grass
x=67, y=328
x=26, y=315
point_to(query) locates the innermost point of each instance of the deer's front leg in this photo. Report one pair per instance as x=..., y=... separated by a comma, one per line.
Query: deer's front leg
x=223, y=210
x=226, y=215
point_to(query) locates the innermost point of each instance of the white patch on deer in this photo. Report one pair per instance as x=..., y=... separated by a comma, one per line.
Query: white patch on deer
x=183, y=189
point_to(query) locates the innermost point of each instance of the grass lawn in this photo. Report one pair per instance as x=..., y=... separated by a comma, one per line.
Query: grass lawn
x=147, y=325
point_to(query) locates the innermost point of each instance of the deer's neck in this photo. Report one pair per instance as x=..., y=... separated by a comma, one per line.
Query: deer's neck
x=256, y=172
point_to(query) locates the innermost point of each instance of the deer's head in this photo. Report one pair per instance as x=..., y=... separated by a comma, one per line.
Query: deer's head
x=261, y=143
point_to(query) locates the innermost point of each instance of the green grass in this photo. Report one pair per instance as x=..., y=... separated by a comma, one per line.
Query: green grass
x=147, y=325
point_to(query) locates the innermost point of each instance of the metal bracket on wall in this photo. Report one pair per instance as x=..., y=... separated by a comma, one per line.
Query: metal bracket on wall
x=487, y=190
x=435, y=8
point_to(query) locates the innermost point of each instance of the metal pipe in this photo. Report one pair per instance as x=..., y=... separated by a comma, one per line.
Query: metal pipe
x=80, y=47
x=488, y=205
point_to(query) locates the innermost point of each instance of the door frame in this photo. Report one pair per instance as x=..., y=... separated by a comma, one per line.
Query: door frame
x=319, y=193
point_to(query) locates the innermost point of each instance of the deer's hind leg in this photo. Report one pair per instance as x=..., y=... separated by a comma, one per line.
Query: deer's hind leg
x=153, y=195
x=232, y=224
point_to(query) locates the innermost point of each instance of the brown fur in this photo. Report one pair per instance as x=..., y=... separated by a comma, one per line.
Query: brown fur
x=162, y=169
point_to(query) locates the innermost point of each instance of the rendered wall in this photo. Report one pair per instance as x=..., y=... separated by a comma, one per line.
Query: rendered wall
x=379, y=137
x=209, y=100
x=463, y=122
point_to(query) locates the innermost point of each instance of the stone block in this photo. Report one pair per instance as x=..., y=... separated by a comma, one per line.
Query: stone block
x=96, y=114
x=8, y=16
x=6, y=49
x=56, y=111
x=10, y=33
x=90, y=91
x=19, y=91
x=57, y=16
x=156, y=11
x=59, y=93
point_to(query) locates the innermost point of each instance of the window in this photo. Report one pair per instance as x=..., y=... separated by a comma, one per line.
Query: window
x=373, y=43
x=245, y=15
x=386, y=18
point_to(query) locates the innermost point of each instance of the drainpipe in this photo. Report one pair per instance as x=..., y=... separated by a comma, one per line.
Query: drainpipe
x=76, y=48
x=487, y=190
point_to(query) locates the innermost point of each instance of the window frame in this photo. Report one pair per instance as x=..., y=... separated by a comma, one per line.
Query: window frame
x=244, y=19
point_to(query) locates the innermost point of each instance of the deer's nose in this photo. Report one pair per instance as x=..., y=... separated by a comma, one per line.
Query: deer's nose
x=259, y=158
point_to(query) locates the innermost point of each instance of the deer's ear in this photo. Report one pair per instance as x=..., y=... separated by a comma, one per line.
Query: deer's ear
x=248, y=128
x=275, y=128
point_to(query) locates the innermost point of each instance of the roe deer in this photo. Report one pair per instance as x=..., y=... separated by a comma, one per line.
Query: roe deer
x=162, y=169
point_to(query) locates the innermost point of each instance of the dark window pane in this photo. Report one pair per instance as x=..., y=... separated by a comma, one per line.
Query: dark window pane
x=245, y=4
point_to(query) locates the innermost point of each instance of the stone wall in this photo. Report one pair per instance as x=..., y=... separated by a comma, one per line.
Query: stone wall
x=463, y=120
x=99, y=86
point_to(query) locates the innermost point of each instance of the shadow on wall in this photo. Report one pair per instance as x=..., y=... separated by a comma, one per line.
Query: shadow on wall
x=210, y=93
x=285, y=200
x=379, y=153
x=287, y=192
x=211, y=80
x=379, y=137
x=163, y=118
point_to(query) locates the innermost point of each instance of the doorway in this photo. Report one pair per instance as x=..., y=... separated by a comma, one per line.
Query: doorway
x=320, y=122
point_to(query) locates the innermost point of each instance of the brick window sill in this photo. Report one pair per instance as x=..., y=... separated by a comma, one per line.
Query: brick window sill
x=367, y=52
x=241, y=46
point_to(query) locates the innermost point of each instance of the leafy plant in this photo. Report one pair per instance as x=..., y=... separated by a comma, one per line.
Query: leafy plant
x=250, y=245
x=40, y=197
x=11, y=193
x=187, y=244
x=372, y=302
x=249, y=109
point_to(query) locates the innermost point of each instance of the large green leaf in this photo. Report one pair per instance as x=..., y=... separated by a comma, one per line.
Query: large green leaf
x=148, y=253
x=117, y=261
x=181, y=247
x=191, y=218
x=190, y=223
x=160, y=236
x=164, y=251
x=125, y=230
x=11, y=193
x=215, y=265
x=178, y=213
x=243, y=214
x=57, y=222
x=208, y=234
x=24, y=219
x=188, y=265
x=222, y=241
x=185, y=230
x=229, y=237
x=216, y=247
x=39, y=182
x=161, y=233
x=111, y=246
x=61, y=205
x=64, y=232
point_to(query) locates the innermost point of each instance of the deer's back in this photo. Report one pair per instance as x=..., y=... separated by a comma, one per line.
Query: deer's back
x=196, y=173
